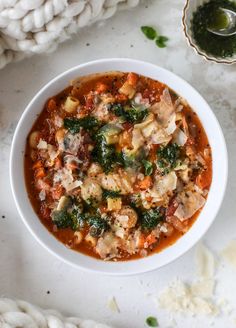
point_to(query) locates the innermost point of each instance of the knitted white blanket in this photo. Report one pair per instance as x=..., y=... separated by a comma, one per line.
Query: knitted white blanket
x=30, y=27
x=20, y=314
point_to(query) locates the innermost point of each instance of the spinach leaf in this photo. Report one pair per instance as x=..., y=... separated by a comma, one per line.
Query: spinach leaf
x=147, y=167
x=152, y=322
x=149, y=32
x=151, y=218
x=168, y=157
x=74, y=124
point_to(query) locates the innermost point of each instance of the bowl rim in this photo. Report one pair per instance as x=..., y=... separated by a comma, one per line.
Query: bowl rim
x=120, y=268
x=195, y=46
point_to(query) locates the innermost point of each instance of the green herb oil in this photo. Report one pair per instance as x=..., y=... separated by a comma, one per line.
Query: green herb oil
x=209, y=15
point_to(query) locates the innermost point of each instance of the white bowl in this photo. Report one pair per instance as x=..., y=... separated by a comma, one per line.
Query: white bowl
x=190, y=7
x=157, y=260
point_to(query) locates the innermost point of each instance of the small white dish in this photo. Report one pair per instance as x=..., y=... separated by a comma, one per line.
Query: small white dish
x=157, y=260
x=190, y=7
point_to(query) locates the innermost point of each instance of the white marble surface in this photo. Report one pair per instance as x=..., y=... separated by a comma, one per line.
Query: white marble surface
x=27, y=270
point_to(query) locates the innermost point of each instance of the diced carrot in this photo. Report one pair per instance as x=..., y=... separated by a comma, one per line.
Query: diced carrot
x=101, y=87
x=132, y=79
x=121, y=97
x=57, y=192
x=51, y=105
x=58, y=163
x=40, y=173
x=141, y=241
x=37, y=165
x=145, y=183
x=153, y=152
x=203, y=180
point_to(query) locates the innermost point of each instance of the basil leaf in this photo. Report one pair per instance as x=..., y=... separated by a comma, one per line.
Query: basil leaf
x=161, y=41
x=147, y=167
x=149, y=32
x=152, y=322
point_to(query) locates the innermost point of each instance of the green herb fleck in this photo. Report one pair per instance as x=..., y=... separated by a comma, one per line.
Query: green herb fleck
x=152, y=322
x=147, y=167
x=149, y=32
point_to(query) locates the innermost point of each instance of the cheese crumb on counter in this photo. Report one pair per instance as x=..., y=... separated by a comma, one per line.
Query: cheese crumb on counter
x=205, y=262
x=113, y=306
x=229, y=253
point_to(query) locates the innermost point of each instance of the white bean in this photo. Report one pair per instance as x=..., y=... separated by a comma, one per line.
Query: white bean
x=34, y=139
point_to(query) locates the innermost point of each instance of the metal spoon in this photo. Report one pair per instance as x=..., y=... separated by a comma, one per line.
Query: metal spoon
x=230, y=29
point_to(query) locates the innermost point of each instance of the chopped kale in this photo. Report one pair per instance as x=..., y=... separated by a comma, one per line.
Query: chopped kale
x=110, y=193
x=62, y=219
x=97, y=225
x=125, y=160
x=104, y=154
x=132, y=113
x=74, y=124
x=78, y=219
x=117, y=109
x=135, y=113
x=147, y=167
x=168, y=157
x=151, y=218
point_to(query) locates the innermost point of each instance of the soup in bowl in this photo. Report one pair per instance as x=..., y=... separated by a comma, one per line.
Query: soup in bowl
x=119, y=166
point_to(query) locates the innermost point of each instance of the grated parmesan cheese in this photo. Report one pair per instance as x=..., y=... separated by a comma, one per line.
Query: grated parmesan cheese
x=42, y=195
x=179, y=297
x=197, y=297
x=42, y=144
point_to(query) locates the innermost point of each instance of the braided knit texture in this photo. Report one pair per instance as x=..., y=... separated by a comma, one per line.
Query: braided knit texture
x=30, y=27
x=21, y=314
